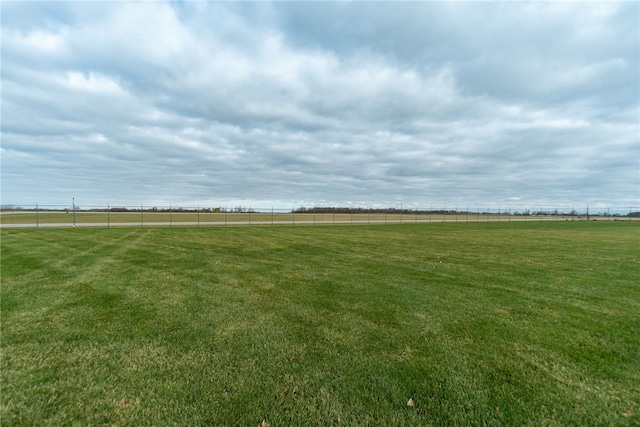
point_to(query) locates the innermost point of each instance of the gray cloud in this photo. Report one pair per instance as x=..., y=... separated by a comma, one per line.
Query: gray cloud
x=290, y=103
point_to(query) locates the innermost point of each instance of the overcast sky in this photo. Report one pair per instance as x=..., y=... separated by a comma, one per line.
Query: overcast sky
x=326, y=103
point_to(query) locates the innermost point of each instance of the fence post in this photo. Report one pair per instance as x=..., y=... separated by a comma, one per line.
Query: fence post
x=37, y=223
x=272, y=215
x=73, y=199
x=141, y=216
x=198, y=208
x=108, y=214
x=170, y=215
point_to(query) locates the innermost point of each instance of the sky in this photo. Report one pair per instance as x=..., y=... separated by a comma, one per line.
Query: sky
x=288, y=104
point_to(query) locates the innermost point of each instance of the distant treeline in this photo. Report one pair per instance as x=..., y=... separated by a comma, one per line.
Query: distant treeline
x=360, y=210
x=398, y=211
x=323, y=210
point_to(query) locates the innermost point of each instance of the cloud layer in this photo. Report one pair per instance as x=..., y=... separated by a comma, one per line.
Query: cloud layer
x=291, y=104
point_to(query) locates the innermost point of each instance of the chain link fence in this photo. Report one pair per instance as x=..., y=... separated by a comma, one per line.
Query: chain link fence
x=108, y=215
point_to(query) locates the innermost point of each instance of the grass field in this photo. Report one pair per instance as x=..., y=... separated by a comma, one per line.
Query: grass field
x=85, y=218
x=532, y=323
x=152, y=218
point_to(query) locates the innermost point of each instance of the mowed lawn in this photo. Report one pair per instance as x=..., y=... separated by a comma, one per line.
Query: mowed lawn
x=533, y=323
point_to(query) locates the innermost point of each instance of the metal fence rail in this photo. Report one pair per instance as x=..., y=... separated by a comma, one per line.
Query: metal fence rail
x=169, y=216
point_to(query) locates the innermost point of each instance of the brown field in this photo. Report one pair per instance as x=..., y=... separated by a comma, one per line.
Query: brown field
x=107, y=219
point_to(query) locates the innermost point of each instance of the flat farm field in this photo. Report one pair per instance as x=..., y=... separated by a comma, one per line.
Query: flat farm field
x=523, y=323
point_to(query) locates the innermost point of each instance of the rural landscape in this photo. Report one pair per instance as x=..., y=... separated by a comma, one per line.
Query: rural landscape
x=320, y=213
x=491, y=323
x=56, y=216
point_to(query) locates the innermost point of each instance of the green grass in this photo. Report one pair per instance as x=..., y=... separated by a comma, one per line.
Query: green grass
x=531, y=323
